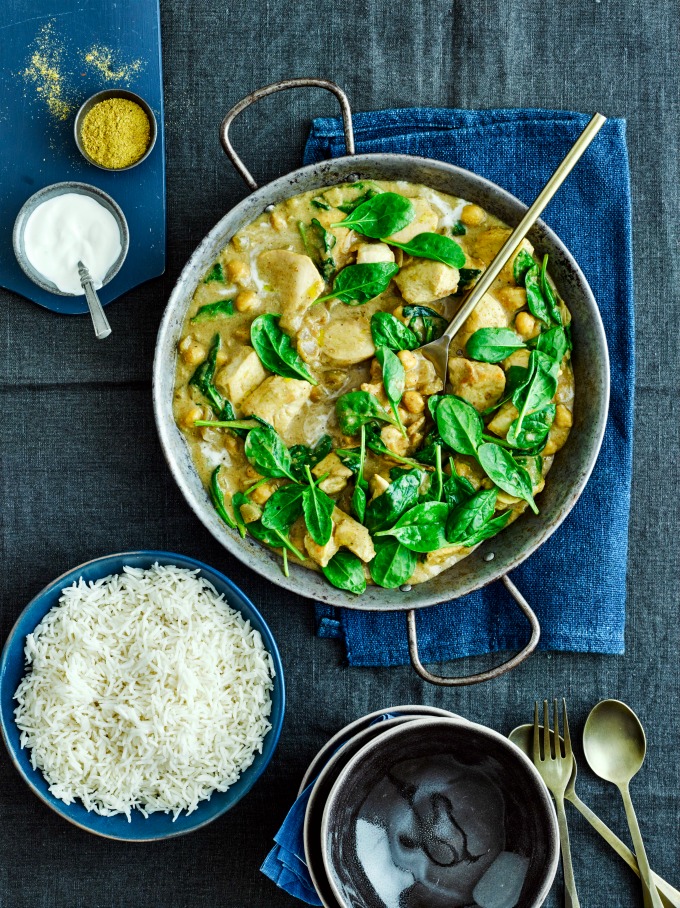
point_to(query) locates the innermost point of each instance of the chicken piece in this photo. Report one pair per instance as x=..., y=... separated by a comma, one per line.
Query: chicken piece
x=338, y=474
x=352, y=535
x=296, y=280
x=500, y=424
x=424, y=281
x=322, y=554
x=480, y=384
x=425, y=221
x=557, y=437
x=278, y=401
x=518, y=358
x=370, y=253
x=487, y=243
x=377, y=485
x=489, y=313
x=513, y=298
x=391, y=437
x=421, y=375
x=241, y=376
x=469, y=469
x=347, y=340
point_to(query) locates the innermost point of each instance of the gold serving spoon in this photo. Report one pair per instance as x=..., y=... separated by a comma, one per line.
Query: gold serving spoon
x=437, y=351
x=614, y=744
x=523, y=737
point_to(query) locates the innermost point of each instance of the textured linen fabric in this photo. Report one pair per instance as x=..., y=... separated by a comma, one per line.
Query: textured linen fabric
x=582, y=610
x=82, y=473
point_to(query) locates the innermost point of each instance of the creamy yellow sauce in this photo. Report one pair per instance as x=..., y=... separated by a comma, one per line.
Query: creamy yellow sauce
x=265, y=268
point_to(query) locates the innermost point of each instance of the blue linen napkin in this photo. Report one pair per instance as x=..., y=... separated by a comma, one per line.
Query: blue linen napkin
x=576, y=581
x=285, y=864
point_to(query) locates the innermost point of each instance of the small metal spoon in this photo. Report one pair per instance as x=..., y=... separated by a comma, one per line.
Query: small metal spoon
x=437, y=351
x=102, y=328
x=523, y=737
x=614, y=744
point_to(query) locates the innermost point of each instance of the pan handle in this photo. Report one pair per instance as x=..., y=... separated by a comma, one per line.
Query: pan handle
x=270, y=90
x=492, y=673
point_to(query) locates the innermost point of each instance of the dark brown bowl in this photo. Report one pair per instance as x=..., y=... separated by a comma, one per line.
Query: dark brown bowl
x=442, y=798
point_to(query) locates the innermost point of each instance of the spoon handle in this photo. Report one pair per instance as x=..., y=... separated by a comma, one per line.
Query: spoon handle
x=650, y=897
x=100, y=322
x=670, y=897
x=570, y=895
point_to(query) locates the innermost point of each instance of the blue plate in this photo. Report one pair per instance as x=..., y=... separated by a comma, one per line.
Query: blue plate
x=157, y=825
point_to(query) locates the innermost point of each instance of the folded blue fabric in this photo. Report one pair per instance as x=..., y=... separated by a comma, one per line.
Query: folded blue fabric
x=576, y=580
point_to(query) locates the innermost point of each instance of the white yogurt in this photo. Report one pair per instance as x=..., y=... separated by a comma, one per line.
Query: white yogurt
x=67, y=229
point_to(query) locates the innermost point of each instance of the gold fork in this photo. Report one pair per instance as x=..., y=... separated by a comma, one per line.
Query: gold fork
x=555, y=769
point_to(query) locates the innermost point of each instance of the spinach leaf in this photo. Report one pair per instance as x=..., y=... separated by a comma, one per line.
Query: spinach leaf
x=502, y=468
x=434, y=246
x=533, y=430
x=539, y=391
x=458, y=229
x=435, y=489
x=303, y=455
x=535, y=302
x=359, y=497
x=394, y=381
x=349, y=207
x=238, y=499
x=375, y=443
x=467, y=276
x=214, y=310
x=468, y=517
x=553, y=343
x=268, y=454
x=421, y=528
x=244, y=424
x=549, y=293
x=356, y=408
x=393, y=563
x=275, y=350
x=216, y=273
x=515, y=378
x=346, y=572
x=320, y=202
x=319, y=243
x=357, y=284
x=490, y=528
x=491, y=345
x=217, y=497
x=203, y=379
x=427, y=324
x=283, y=508
x=459, y=425
x=350, y=457
x=522, y=263
x=275, y=538
x=397, y=498
x=380, y=216
x=388, y=331
x=456, y=488
x=317, y=508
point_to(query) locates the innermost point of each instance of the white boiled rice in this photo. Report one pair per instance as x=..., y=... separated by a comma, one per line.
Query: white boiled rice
x=143, y=690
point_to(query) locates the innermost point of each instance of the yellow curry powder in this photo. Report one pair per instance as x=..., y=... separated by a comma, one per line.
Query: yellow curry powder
x=116, y=133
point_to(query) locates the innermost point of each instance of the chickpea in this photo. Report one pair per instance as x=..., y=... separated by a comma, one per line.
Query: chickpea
x=408, y=360
x=513, y=298
x=193, y=353
x=526, y=325
x=247, y=300
x=563, y=417
x=414, y=402
x=191, y=416
x=238, y=270
x=473, y=215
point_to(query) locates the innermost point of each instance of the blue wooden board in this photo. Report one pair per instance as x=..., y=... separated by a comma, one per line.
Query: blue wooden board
x=37, y=146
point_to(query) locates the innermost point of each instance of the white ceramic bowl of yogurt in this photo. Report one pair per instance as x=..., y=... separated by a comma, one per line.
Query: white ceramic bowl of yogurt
x=65, y=223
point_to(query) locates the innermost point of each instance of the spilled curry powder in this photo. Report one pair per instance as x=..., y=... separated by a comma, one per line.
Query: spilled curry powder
x=109, y=65
x=116, y=133
x=44, y=71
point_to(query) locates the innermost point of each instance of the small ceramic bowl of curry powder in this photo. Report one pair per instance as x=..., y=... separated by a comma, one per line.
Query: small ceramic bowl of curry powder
x=115, y=130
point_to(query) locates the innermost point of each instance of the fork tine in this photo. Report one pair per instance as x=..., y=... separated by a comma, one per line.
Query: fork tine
x=567, y=737
x=537, y=740
x=556, y=730
x=546, y=732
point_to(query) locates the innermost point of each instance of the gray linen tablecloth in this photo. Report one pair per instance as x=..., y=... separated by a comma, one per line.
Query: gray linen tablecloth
x=81, y=472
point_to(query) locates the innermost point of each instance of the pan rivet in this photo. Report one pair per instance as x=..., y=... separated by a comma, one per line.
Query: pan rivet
x=489, y=556
x=269, y=208
x=352, y=177
x=405, y=588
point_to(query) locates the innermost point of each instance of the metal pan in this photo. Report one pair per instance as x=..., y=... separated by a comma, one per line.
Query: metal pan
x=494, y=559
